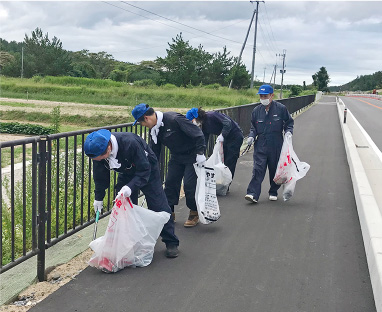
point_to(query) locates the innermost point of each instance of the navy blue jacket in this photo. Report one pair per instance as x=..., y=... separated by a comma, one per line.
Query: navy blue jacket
x=180, y=135
x=269, y=127
x=136, y=159
x=216, y=123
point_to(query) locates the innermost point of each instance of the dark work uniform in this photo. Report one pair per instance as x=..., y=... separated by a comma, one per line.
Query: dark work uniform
x=268, y=127
x=139, y=171
x=185, y=141
x=216, y=123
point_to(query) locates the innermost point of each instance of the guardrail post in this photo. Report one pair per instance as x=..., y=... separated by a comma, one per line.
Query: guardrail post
x=345, y=113
x=41, y=218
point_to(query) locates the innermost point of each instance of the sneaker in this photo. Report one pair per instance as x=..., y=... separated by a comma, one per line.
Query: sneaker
x=272, y=197
x=172, y=251
x=250, y=198
x=193, y=219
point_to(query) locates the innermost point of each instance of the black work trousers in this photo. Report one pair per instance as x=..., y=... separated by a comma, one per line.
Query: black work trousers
x=156, y=201
x=181, y=168
x=231, y=150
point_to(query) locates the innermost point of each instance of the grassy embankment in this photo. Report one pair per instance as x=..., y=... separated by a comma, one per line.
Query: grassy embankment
x=106, y=92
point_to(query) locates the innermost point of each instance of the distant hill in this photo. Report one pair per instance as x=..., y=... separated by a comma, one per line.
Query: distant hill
x=361, y=83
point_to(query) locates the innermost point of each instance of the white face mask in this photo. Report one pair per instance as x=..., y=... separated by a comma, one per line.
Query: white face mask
x=196, y=123
x=265, y=102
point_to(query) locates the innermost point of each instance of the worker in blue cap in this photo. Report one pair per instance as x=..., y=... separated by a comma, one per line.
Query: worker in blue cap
x=269, y=120
x=137, y=167
x=186, y=144
x=228, y=131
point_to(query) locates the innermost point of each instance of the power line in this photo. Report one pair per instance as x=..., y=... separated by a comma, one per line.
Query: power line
x=270, y=27
x=180, y=23
x=270, y=44
x=197, y=36
x=269, y=48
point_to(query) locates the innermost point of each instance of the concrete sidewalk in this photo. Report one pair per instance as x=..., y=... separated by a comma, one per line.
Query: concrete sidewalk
x=306, y=254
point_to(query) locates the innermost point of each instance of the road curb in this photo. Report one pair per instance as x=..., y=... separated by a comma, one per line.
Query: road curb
x=368, y=211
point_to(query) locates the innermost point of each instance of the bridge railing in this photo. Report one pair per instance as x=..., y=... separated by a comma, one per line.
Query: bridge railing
x=47, y=188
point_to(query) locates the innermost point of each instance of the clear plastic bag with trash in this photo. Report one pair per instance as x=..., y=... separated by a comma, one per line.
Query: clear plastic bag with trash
x=289, y=168
x=223, y=175
x=130, y=237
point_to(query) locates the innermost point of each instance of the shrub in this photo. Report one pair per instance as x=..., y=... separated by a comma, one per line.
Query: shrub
x=17, y=128
x=295, y=90
x=169, y=86
x=215, y=86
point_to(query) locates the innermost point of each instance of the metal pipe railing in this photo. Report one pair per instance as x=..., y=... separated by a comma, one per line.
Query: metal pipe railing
x=57, y=188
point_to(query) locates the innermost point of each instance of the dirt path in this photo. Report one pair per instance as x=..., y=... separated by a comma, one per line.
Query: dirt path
x=71, y=108
x=4, y=137
x=67, y=108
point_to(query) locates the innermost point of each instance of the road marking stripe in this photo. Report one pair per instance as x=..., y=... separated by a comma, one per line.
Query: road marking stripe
x=370, y=104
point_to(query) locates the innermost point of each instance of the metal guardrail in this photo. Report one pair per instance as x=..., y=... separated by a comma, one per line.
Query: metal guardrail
x=47, y=190
x=367, y=95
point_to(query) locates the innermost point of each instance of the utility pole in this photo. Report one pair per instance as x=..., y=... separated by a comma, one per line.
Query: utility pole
x=264, y=74
x=242, y=48
x=282, y=71
x=273, y=76
x=22, y=62
x=254, y=44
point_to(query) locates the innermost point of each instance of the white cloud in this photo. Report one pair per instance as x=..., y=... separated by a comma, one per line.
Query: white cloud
x=342, y=36
x=3, y=14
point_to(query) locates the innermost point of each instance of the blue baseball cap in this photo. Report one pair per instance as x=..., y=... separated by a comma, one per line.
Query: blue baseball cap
x=192, y=113
x=96, y=143
x=265, y=89
x=138, y=111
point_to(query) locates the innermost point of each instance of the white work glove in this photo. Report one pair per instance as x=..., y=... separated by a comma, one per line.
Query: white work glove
x=220, y=138
x=200, y=159
x=98, y=205
x=250, y=140
x=125, y=191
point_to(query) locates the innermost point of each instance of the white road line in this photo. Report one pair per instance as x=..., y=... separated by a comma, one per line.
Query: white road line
x=377, y=151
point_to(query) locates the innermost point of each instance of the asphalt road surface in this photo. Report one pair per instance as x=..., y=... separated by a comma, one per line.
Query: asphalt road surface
x=306, y=254
x=368, y=112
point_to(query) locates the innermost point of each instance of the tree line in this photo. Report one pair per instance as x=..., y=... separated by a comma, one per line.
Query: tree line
x=38, y=55
x=361, y=83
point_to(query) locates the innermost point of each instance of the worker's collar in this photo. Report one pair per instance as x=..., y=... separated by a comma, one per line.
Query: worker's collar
x=155, y=130
x=112, y=159
x=268, y=106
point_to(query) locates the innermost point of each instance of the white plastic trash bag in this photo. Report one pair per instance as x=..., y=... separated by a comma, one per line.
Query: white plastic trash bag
x=223, y=175
x=205, y=195
x=130, y=237
x=289, y=168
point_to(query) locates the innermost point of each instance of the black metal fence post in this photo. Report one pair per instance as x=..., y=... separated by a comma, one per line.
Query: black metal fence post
x=41, y=218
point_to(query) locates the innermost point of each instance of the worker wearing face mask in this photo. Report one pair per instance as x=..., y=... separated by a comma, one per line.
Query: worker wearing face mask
x=269, y=122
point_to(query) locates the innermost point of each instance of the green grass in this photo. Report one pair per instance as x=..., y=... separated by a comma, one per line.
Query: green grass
x=97, y=120
x=14, y=104
x=96, y=91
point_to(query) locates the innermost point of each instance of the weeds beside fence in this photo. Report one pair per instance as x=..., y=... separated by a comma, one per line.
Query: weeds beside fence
x=47, y=187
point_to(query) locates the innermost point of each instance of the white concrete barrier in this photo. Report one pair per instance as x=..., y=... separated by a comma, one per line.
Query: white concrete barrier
x=361, y=154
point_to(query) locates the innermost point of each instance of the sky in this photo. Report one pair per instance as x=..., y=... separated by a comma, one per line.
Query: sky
x=343, y=36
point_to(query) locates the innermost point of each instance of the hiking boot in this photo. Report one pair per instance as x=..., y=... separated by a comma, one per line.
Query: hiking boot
x=250, y=198
x=193, y=219
x=272, y=197
x=173, y=216
x=172, y=251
